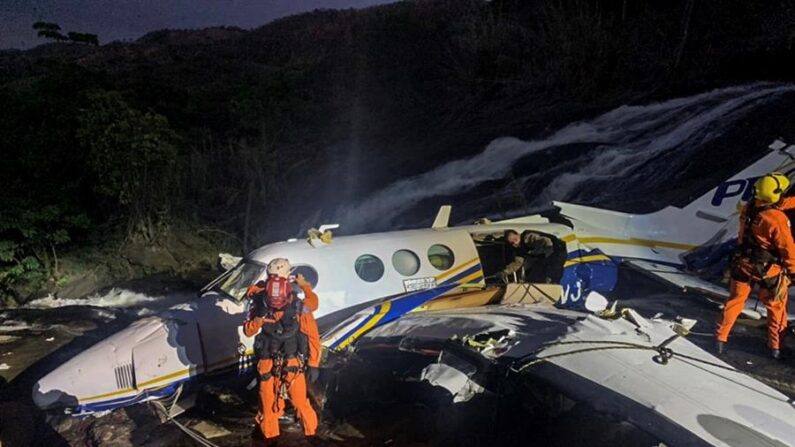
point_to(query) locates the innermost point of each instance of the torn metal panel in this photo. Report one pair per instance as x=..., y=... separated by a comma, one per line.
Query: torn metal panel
x=458, y=379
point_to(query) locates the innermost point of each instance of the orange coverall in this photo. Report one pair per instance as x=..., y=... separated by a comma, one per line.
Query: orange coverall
x=770, y=230
x=271, y=403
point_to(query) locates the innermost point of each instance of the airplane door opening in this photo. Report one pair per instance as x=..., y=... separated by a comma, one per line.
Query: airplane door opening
x=540, y=265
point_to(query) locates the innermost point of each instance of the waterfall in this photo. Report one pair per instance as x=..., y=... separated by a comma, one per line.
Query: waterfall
x=625, y=140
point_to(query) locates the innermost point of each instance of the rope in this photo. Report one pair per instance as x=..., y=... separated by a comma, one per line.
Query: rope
x=664, y=354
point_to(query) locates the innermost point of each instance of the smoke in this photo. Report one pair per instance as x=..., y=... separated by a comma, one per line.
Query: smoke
x=626, y=140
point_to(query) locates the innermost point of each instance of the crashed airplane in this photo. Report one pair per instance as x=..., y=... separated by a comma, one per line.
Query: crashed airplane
x=435, y=282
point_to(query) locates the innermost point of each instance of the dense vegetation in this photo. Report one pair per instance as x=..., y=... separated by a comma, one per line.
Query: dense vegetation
x=225, y=132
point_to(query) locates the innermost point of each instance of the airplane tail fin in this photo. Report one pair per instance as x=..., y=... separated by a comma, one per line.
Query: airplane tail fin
x=708, y=218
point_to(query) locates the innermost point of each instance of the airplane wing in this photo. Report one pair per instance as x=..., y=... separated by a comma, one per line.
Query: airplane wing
x=601, y=364
x=443, y=297
x=678, y=278
x=342, y=335
x=689, y=282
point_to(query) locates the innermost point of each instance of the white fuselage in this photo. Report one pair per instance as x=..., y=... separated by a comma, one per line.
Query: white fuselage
x=153, y=356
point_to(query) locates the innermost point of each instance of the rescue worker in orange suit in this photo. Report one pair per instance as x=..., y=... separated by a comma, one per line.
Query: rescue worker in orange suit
x=288, y=345
x=765, y=257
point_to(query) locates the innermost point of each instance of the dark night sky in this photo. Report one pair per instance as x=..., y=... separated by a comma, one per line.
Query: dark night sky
x=130, y=19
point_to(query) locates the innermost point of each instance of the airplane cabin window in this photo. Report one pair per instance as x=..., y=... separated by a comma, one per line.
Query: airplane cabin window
x=406, y=262
x=309, y=272
x=369, y=268
x=241, y=278
x=441, y=256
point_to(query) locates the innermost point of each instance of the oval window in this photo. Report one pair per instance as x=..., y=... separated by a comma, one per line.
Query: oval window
x=369, y=267
x=441, y=256
x=406, y=262
x=309, y=272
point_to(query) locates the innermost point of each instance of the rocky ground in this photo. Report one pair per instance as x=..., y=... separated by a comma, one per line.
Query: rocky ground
x=368, y=407
x=185, y=256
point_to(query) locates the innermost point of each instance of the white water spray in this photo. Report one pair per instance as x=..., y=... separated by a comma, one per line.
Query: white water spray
x=628, y=137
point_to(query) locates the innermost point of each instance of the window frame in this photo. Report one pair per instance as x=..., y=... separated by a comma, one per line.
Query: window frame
x=448, y=250
x=370, y=255
x=412, y=253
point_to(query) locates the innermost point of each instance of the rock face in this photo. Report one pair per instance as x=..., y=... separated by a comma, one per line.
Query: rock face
x=87, y=283
x=151, y=259
x=116, y=432
x=181, y=254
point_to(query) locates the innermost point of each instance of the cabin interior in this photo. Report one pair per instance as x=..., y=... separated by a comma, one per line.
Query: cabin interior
x=495, y=255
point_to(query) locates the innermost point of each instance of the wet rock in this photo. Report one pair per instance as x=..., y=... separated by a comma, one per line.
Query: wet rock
x=210, y=430
x=8, y=339
x=151, y=259
x=113, y=430
x=7, y=302
x=347, y=430
x=226, y=261
x=86, y=283
x=224, y=395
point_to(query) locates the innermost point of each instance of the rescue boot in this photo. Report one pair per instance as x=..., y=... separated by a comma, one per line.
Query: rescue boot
x=720, y=347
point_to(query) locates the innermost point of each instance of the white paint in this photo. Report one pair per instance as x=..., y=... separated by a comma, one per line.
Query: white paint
x=456, y=382
x=595, y=302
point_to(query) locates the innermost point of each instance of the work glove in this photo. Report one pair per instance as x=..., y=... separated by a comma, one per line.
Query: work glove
x=312, y=374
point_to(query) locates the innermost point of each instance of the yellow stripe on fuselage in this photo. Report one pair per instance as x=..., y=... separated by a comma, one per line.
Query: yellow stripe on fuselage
x=636, y=242
x=101, y=396
x=141, y=386
x=629, y=241
x=609, y=240
x=187, y=371
x=461, y=267
x=467, y=279
x=584, y=259
x=367, y=326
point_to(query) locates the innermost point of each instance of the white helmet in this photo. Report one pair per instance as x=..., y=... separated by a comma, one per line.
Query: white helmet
x=280, y=267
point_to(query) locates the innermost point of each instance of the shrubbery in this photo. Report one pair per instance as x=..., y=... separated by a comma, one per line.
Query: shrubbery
x=245, y=131
x=133, y=155
x=30, y=238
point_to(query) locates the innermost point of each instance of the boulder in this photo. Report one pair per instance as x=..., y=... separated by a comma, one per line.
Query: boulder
x=86, y=283
x=151, y=259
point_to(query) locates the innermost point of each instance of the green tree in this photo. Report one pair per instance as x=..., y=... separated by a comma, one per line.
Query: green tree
x=29, y=240
x=86, y=38
x=49, y=31
x=133, y=155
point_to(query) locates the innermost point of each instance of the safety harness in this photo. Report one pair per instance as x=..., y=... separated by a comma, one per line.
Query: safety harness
x=279, y=339
x=760, y=259
x=282, y=339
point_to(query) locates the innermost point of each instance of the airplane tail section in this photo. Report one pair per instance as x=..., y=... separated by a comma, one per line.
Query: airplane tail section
x=722, y=200
x=707, y=219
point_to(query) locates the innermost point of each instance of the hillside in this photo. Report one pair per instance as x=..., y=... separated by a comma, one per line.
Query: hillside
x=227, y=138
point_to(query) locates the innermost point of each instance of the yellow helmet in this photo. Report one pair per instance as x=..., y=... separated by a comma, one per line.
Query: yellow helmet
x=770, y=187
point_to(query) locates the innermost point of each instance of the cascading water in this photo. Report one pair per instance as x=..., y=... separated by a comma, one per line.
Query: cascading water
x=652, y=143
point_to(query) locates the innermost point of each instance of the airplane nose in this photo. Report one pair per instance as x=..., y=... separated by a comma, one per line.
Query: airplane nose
x=101, y=373
x=46, y=396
